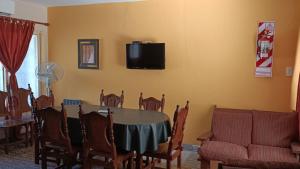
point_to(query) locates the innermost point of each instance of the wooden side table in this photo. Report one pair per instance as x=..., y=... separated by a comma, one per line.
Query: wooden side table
x=8, y=125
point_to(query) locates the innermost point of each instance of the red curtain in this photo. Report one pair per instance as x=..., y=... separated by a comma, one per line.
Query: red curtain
x=15, y=36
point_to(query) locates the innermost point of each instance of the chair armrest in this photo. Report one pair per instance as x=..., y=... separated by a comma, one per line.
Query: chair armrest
x=205, y=137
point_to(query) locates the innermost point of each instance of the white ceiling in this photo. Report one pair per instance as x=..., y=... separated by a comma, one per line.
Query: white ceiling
x=49, y=3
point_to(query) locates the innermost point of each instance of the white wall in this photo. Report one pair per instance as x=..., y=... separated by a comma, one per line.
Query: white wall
x=35, y=12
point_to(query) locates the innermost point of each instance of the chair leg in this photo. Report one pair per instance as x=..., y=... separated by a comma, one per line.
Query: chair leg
x=147, y=160
x=58, y=160
x=86, y=162
x=86, y=165
x=31, y=133
x=168, y=164
x=130, y=164
x=153, y=163
x=36, y=152
x=124, y=164
x=205, y=164
x=44, y=160
x=179, y=161
x=67, y=162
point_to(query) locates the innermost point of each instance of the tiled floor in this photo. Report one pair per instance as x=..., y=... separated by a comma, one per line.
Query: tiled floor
x=22, y=158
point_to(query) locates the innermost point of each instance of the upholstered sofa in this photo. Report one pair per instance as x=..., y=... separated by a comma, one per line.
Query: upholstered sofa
x=251, y=138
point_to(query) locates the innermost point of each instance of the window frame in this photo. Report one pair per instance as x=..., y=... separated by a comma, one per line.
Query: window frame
x=6, y=73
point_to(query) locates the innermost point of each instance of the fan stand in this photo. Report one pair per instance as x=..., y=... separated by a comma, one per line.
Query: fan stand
x=48, y=87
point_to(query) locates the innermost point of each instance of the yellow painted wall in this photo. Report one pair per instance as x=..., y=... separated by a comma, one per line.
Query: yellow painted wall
x=210, y=53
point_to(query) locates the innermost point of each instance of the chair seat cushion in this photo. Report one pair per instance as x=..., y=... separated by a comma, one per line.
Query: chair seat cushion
x=222, y=151
x=268, y=153
x=163, y=148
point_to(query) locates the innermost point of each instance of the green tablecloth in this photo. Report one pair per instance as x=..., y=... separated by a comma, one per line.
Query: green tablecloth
x=137, y=130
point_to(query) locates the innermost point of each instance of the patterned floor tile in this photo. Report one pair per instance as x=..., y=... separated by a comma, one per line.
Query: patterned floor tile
x=22, y=158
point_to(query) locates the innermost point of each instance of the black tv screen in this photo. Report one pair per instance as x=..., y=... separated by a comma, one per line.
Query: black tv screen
x=145, y=55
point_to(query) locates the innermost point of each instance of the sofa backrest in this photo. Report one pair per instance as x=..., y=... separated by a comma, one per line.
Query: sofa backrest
x=232, y=125
x=274, y=128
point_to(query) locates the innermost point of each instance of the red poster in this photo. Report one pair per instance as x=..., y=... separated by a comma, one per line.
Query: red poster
x=264, y=50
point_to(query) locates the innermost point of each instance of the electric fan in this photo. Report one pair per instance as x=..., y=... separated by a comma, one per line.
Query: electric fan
x=49, y=73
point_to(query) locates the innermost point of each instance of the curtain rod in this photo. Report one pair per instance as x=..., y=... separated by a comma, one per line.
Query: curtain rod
x=41, y=23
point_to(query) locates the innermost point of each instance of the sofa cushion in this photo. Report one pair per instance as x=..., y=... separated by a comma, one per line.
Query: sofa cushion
x=232, y=125
x=222, y=151
x=274, y=128
x=268, y=153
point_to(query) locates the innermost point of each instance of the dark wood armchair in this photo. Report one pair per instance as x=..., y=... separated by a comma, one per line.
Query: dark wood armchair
x=37, y=104
x=98, y=141
x=111, y=100
x=172, y=150
x=152, y=103
x=54, y=138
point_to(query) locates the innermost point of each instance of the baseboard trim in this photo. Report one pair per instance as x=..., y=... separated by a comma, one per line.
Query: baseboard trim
x=190, y=147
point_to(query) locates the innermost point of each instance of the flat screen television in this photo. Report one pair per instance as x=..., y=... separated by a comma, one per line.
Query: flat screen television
x=145, y=55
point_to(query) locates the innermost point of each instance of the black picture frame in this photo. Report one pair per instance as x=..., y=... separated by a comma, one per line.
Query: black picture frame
x=88, y=53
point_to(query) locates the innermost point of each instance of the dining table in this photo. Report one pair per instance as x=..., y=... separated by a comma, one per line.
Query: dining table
x=134, y=129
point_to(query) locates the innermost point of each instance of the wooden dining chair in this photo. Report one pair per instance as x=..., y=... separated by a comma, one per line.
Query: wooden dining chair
x=111, y=100
x=23, y=96
x=3, y=109
x=42, y=101
x=54, y=138
x=98, y=141
x=172, y=149
x=18, y=109
x=39, y=103
x=151, y=103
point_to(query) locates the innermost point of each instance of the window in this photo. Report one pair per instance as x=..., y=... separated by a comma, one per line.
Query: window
x=2, y=77
x=26, y=73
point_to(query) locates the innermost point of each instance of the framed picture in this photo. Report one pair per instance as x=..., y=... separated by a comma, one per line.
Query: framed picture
x=88, y=54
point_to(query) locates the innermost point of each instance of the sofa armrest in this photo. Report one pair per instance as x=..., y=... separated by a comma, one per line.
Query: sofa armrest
x=295, y=146
x=205, y=137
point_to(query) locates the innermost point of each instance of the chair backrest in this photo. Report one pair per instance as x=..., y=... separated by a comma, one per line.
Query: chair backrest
x=3, y=109
x=42, y=101
x=52, y=125
x=97, y=131
x=151, y=103
x=23, y=96
x=111, y=100
x=178, y=128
